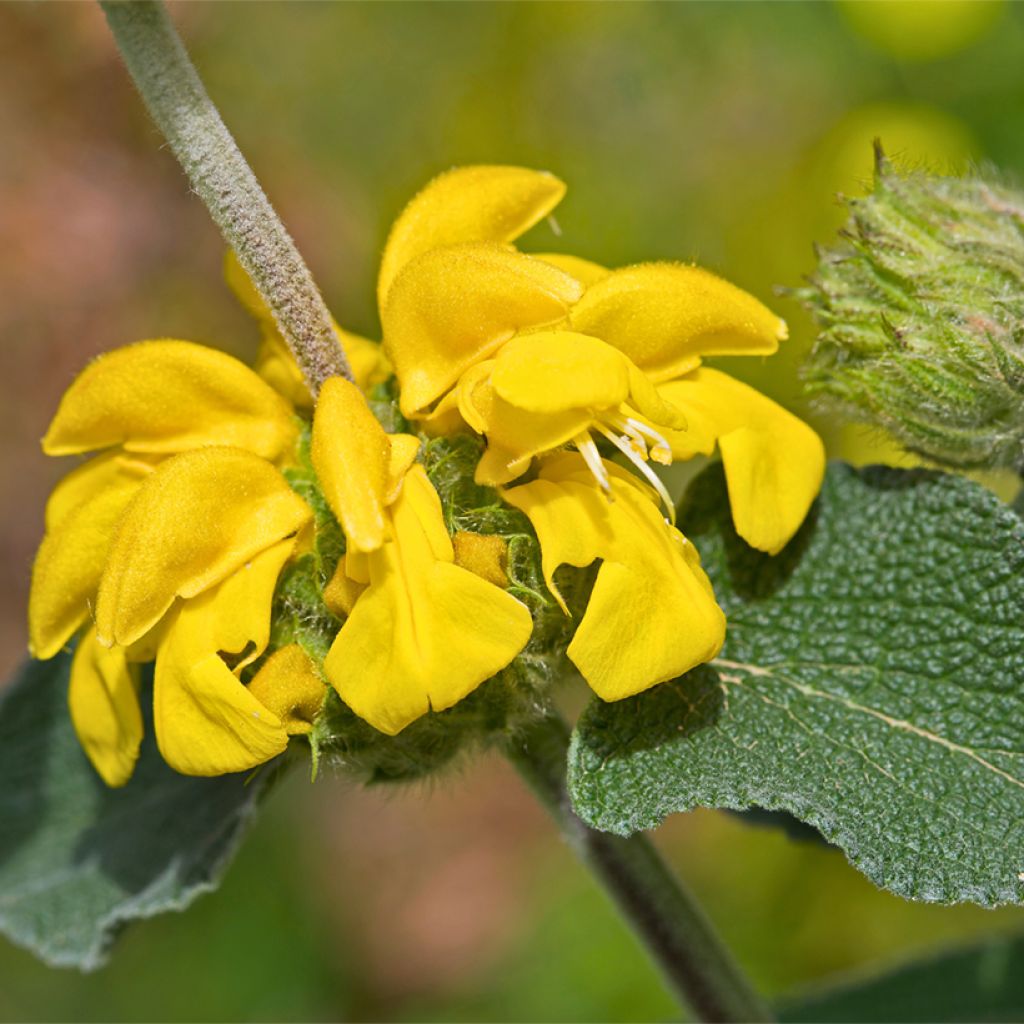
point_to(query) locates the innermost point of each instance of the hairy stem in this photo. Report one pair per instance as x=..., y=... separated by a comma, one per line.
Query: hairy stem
x=184, y=113
x=668, y=920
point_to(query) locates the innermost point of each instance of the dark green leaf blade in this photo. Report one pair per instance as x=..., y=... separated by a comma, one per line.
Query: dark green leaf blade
x=78, y=861
x=872, y=684
x=978, y=983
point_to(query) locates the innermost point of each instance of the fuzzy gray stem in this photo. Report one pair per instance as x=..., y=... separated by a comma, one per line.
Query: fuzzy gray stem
x=667, y=919
x=184, y=113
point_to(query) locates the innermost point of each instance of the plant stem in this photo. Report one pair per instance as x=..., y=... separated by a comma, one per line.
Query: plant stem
x=184, y=113
x=693, y=959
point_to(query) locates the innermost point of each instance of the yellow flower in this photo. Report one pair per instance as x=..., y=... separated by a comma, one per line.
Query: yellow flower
x=652, y=613
x=548, y=388
x=538, y=352
x=451, y=290
x=171, y=540
x=421, y=632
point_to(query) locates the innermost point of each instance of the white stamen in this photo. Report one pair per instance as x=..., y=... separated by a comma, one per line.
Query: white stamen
x=640, y=464
x=634, y=437
x=659, y=448
x=592, y=457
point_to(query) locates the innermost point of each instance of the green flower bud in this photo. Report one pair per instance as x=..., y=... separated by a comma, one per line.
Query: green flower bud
x=920, y=309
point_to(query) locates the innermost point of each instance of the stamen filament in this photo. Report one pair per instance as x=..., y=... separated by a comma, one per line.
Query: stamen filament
x=659, y=448
x=592, y=457
x=649, y=474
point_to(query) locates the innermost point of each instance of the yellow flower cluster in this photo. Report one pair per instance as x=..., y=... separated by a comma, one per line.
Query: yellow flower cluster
x=169, y=543
x=537, y=352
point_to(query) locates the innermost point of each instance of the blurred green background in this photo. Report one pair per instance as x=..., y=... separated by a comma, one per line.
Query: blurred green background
x=715, y=132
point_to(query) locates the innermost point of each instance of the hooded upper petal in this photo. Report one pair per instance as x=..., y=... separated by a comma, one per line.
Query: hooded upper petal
x=169, y=396
x=652, y=615
x=587, y=272
x=82, y=516
x=484, y=203
x=425, y=632
x=451, y=308
x=196, y=519
x=774, y=463
x=665, y=316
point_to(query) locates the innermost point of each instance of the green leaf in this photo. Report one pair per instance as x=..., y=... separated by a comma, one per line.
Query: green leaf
x=78, y=861
x=980, y=983
x=871, y=684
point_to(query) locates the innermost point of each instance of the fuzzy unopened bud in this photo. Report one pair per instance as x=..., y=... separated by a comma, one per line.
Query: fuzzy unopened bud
x=920, y=309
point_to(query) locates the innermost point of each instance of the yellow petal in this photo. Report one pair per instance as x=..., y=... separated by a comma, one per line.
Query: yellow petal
x=514, y=436
x=366, y=358
x=342, y=591
x=82, y=515
x=197, y=518
x=774, y=463
x=145, y=648
x=425, y=633
x=566, y=523
x=107, y=471
x=351, y=455
x=484, y=554
x=422, y=506
x=169, y=396
x=474, y=396
x=104, y=704
x=650, y=403
x=357, y=566
x=548, y=372
x=236, y=613
x=206, y=721
x=652, y=615
x=467, y=204
x=288, y=685
x=404, y=449
x=445, y=418
x=664, y=316
x=557, y=371
x=585, y=271
x=451, y=308
x=544, y=388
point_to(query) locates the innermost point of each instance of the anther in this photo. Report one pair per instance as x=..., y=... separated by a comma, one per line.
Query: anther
x=652, y=478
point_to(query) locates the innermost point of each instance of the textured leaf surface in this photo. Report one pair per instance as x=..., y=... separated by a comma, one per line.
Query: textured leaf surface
x=77, y=860
x=871, y=684
x=979, y=983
